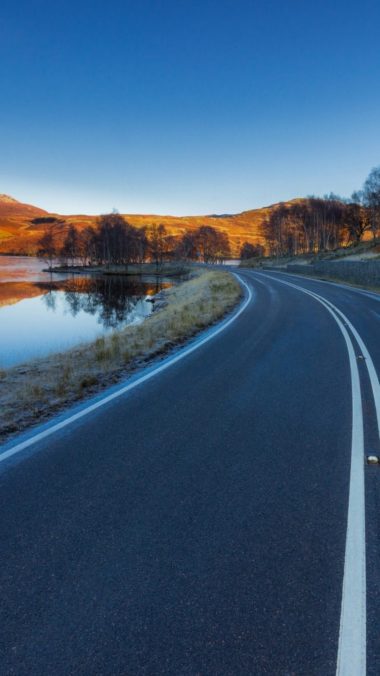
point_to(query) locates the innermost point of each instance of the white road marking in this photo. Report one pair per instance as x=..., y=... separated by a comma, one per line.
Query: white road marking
x=363, y=348
x=368, y=361
x=343, y=287
x=351, y=660
x=126, y=388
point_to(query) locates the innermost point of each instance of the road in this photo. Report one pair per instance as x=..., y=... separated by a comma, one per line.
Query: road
x=197, y=524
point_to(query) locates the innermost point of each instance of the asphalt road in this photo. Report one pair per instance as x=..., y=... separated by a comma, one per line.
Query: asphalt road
x=197, y=525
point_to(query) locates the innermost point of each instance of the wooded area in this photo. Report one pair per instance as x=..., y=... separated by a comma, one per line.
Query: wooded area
x=309, y=225
x=314, y=224
x=117, y=242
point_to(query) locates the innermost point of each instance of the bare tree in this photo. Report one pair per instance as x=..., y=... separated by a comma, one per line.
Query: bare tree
x=249, y=250
x=117, y=242
x=312, y=225
x=157, y=234
x=357, y=217
x=70, y=248
x=371, y=193
x=186, y=247
x=212, y=245
x=47, y=249
x=87, y=245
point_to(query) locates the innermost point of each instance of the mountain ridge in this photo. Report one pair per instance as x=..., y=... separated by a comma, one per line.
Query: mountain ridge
x=19, y=235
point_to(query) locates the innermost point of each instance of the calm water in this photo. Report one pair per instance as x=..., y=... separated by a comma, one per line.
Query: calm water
x=42, y=313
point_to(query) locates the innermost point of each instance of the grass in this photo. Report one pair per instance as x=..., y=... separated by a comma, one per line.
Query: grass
x=363, y=254
x=340, y=280
x=354, y=250
x=36, y=390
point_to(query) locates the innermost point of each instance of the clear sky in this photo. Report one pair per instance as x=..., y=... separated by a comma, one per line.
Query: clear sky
x=186, y=106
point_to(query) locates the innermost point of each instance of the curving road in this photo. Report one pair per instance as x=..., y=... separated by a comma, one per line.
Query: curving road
x=197, y=524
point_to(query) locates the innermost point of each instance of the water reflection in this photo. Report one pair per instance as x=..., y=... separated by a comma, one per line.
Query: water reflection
x=111, y=298
x=38, y=317
x=14, y=292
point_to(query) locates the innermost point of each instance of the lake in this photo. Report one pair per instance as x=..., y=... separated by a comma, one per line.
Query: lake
x=42, y=313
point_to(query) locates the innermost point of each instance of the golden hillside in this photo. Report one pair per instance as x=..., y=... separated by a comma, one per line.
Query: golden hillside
x=19, y=235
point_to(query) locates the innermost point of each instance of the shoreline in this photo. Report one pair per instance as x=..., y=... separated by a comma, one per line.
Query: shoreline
x=31, y=393
x=132, y=270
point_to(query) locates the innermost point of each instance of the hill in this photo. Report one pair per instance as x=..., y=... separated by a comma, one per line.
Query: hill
x=15, y=218
x=21, y=225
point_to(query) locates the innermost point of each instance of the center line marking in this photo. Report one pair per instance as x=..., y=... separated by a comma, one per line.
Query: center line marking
x=352, y=648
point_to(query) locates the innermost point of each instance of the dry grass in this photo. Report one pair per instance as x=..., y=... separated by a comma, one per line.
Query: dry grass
x=33, y=391
x=364, y=250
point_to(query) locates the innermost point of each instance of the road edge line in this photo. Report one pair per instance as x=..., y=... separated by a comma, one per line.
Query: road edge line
x=13, y=450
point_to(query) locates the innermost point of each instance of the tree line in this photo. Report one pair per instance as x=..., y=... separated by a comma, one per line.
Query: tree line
x=307, y=226
x=321, y=224
x=114, y=241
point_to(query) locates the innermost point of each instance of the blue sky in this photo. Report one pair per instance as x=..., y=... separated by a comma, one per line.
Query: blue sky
x=186, y=106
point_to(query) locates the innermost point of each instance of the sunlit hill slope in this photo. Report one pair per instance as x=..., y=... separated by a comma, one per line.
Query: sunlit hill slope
x=19, y=235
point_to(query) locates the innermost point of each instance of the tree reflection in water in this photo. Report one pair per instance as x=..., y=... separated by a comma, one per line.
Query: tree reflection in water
x=115, y=299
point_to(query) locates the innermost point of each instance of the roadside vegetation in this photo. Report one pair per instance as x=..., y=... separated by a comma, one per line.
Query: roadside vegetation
x=364, y=275
x=332, y=238
x=363, y=251
x=33, y=391
x=356, y=265
x=315, y=227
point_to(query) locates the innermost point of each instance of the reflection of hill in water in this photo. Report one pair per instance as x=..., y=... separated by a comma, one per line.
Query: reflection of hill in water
x=113, y=299
x=13, y=292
